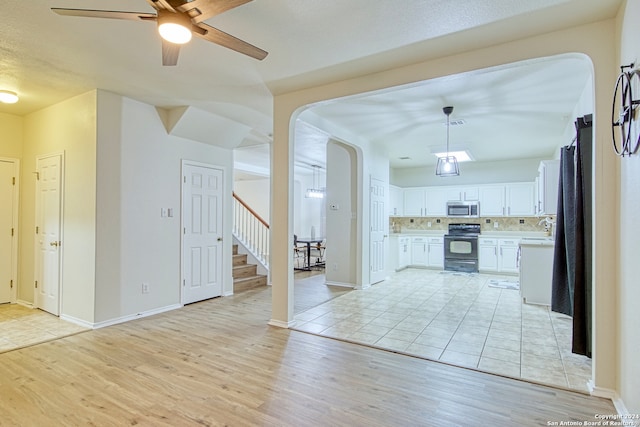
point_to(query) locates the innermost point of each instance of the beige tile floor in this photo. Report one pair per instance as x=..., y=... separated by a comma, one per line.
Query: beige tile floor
x=22, y=326
x=457, y=319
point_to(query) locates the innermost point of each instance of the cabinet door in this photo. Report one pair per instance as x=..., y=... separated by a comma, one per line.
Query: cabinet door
x=488, y=254
x=492, y=200
x=520, y=199
x=508, y=256
x=395, y=201
x=404, y=255
x=419, y=253
x=414, y=202
x=436, y=201
x=436, y=254
x=548, y=176
x=470, y=194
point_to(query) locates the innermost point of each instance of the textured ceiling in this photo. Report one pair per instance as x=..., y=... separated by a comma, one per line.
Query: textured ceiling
x=48, y=58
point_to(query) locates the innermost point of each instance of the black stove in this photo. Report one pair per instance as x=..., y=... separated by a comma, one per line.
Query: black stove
x=461, y=248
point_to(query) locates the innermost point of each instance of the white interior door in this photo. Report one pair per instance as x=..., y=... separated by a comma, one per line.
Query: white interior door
x=202, y=203
x=378, y=230
x=48, y=232
x=8, y=228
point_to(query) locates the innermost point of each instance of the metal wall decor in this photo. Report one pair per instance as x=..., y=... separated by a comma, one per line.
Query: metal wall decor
x=623, y=111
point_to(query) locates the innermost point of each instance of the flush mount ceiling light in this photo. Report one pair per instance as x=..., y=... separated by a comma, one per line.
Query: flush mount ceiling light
x=447, y=165
x=174, y=27
x=316, y=192
x=8, y=97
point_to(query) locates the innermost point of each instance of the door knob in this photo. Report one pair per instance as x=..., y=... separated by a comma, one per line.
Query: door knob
x=53, y=243
x=219, y=239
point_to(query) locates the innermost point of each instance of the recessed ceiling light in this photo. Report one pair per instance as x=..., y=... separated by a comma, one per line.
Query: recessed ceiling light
x=461, y=156
x=8, y=97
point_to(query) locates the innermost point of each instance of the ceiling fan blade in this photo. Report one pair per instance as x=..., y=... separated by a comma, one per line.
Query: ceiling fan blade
x=111, y=14
x=200, y=10
x=170, y=52
x=161, y=4
x=221, y=38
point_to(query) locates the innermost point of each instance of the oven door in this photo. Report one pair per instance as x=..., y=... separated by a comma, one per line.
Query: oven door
x=461, y=247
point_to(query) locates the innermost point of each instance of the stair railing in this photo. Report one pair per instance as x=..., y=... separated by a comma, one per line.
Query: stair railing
x=251, y=230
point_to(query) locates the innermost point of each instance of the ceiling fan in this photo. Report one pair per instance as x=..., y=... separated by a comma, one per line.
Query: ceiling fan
x=177, y=20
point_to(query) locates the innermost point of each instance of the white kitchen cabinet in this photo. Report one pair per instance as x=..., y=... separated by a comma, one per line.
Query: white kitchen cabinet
x=508, y=255
x=404, y=252
x=519, y=199
x=436, y=198
x=463, y=194
x=414, y=201
x=487, y=254
x=492, y=200
x=419, y=251
x=435, y=248
x=396, y=201
x=547, y=187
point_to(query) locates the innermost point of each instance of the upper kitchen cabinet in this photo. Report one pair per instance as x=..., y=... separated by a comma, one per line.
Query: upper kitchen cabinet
x=492, y=200
x=415, y=202
x=520, y=199
x=463, y=194
x=396, y=201
x=437, y=198
x=547, y=191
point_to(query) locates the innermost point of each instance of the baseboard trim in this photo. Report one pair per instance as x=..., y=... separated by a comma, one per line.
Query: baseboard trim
x=607, y=393
x=77, y=321
x=342, y=284
x=281, y=324
x=25, y=303
x=130, y=317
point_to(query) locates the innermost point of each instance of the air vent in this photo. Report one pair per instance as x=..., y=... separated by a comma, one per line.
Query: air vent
x=455, y=122
x=404, y=158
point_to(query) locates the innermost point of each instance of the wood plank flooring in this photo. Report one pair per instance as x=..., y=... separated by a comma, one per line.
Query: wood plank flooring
x=218, y=363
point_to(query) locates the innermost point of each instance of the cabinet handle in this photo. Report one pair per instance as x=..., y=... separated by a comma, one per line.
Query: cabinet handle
x=503, y=210
x=495, y=251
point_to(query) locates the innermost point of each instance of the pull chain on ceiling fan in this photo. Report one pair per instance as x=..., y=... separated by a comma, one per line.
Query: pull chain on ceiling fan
x=177, y=21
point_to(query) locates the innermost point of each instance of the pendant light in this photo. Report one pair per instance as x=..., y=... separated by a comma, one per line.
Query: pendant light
x=448, y=165
x=316, y=192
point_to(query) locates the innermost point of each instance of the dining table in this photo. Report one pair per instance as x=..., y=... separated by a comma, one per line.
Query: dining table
x=308, y=241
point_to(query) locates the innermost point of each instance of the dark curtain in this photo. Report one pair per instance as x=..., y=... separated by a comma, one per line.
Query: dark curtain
x=571, y=285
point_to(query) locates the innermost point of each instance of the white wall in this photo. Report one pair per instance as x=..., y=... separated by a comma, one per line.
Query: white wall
x=256, y=193
x=628, y=372
x=148, y=162
x=11, y=136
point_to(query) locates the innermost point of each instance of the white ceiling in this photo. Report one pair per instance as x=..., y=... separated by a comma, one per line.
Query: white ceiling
x=48, y=58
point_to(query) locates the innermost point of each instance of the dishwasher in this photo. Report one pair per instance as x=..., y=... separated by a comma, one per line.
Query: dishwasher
x=536, y=269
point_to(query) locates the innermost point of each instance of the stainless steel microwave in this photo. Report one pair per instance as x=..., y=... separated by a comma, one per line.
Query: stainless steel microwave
x=463, y=209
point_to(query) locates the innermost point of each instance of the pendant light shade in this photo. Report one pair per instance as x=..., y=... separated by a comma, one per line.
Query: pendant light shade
x=448, y=165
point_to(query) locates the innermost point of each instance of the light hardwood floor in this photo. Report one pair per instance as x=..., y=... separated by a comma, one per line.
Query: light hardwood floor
x=218, y=363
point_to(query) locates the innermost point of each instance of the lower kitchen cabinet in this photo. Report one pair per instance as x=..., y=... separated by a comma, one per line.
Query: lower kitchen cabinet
x=508, y=255
x=498, y=255
x=435, y=248
x=419, y=251
x=404, y=252
x=487, y=254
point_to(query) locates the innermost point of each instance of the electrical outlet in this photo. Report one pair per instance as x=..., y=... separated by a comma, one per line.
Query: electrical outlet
x=495, y=224
x=145, y=287
x=429, y=224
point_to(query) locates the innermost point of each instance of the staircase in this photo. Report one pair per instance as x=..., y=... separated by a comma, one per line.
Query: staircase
x=245, y=275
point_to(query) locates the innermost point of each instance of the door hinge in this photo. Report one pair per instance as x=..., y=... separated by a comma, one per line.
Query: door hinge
x=37, y=229
x=184, y=230
x=36, y=284
x=11, y=232
x=11, y=283
x=13, y=181
x=37, y=176
x=184, y=282
x=184, y=179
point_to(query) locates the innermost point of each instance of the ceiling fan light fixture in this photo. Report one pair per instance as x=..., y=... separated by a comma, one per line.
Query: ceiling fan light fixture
x=174, y=27
x=8, y=97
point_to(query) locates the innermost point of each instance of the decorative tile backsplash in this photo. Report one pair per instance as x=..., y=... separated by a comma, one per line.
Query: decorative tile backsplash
x=407, y=224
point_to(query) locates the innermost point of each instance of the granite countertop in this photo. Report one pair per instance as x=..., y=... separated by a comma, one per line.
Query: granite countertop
x=496, y=234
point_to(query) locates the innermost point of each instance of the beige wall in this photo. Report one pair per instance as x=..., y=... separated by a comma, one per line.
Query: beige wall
x=68, y=127
x=11, y=136
x=597, y=41
x=629, y=232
